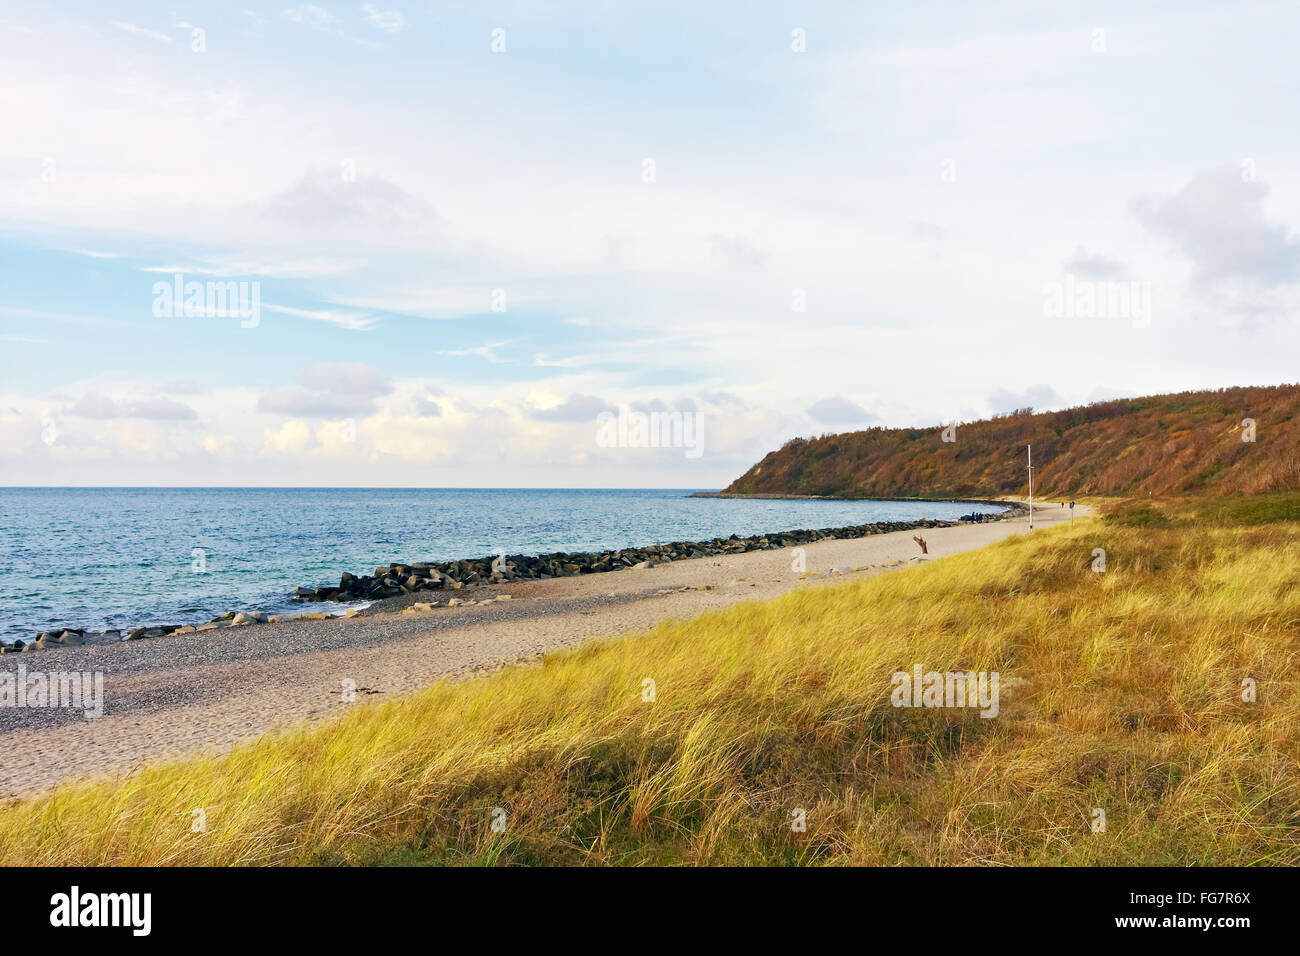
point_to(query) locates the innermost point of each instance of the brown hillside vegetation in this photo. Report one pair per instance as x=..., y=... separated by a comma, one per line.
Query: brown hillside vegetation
x=1184, y=443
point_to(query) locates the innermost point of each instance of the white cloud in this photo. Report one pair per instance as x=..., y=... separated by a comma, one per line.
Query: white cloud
x=575, y=408
x=1217, y=220
x=1093, y=266
x=304, y=268
x=390, y=21
x=311, y=15
x=289, y=438
x=328, y=390
x=348, y=198
x=355, y=321
x=487, y=352
x=839, y=411
x=346, y=378
x=159, y=408
x=219, y=444
x=142, y=31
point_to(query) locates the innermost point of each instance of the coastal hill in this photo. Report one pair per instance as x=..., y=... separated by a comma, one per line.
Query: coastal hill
x=1186, y=443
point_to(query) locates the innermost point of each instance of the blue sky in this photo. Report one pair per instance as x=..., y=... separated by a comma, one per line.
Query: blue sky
x=461, y=258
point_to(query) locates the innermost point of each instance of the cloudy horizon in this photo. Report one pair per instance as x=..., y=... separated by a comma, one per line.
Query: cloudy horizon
x=471, y=230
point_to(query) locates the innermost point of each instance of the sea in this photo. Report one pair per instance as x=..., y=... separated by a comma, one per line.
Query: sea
x=101, y=558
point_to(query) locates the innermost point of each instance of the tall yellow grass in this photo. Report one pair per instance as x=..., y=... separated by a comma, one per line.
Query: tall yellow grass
x=1120, y=691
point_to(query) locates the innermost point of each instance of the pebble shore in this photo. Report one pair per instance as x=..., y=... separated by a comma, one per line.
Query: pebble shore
x=398, y=579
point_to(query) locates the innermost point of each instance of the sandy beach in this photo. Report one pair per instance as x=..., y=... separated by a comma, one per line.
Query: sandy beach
x=179, y=695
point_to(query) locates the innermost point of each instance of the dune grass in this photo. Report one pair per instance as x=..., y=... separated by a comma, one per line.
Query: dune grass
x=1120, y=690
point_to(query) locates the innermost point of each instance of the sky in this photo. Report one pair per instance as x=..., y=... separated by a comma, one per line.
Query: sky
x=464, y=232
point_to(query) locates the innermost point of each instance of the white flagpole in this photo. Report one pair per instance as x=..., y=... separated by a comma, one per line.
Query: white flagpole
x=1031, y=486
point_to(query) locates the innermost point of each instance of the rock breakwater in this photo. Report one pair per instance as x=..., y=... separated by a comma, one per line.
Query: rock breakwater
x=397, y=579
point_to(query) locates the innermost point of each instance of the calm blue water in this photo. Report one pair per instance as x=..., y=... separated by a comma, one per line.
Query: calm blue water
x=99, y=558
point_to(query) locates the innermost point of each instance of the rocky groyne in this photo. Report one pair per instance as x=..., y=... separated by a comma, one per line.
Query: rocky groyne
x=398, y=578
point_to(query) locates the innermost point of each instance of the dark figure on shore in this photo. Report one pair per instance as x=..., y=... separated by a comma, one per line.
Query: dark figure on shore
x=921, y=541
